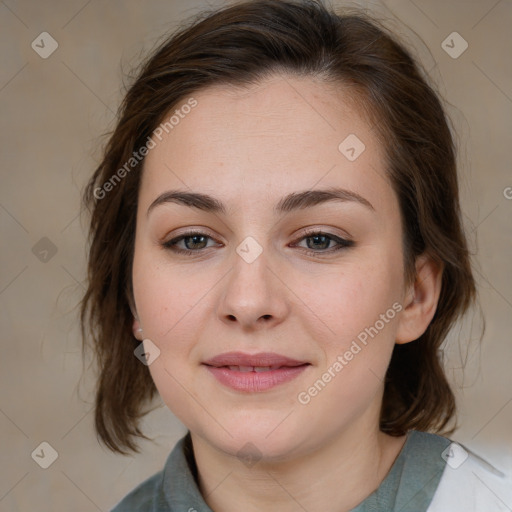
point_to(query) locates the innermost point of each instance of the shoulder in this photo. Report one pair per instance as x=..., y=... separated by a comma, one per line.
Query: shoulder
x=144, y=497
x=470, y=483
x=426, y=443
x=168, y=490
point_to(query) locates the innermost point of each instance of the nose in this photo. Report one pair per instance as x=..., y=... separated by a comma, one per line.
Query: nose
x=254, y=295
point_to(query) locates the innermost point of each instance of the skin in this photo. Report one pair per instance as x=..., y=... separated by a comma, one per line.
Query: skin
x=249, y=147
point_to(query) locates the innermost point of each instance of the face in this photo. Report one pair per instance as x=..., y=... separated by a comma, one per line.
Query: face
x=275, y=318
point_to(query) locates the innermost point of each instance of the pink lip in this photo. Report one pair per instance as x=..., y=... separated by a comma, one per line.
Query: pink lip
x=261, y=359
x=282, y=369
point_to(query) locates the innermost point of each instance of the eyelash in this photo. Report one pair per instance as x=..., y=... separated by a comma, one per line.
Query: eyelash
x=343, y=243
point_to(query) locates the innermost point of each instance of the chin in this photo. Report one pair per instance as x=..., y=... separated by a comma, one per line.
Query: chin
x=262, y=438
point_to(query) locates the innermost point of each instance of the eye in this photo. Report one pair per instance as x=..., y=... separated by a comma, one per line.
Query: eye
x=192, y=242
x=319, y=242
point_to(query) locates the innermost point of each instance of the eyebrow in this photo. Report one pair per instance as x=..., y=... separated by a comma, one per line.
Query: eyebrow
x=291, y=202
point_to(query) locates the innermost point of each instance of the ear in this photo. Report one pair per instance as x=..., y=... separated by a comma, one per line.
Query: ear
x=136, y=327
x=421, y=300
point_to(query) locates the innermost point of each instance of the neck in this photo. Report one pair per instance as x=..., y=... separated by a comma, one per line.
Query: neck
x=337, y=476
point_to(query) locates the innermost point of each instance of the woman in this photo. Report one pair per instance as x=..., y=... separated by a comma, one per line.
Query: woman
x=276, y=248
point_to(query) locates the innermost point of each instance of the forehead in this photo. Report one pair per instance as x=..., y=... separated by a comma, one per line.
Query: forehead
x=259, y=142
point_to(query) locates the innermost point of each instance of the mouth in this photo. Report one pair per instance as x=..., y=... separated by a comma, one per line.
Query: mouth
x=257, y=369
x=254, y=373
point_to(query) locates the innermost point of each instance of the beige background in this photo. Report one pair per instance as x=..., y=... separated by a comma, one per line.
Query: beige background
x=53, y=113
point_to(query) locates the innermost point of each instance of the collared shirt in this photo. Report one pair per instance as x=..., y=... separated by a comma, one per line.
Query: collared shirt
x=430, y=474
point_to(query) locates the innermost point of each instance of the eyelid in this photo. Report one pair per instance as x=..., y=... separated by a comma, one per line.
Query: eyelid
x=188, y=233
x=342, y=241
x=313, y=230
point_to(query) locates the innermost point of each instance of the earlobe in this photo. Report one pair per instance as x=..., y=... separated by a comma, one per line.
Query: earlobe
x=137, y=329
x=421, y=300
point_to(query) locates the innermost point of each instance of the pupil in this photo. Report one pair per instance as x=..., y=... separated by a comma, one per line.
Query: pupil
x=194, y=238
x=325, y=238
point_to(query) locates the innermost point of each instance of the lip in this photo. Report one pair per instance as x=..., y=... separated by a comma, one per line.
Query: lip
x=236, y=370
x=260, y=359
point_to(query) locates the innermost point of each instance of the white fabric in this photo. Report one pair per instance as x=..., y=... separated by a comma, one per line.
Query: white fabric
x=470, y=484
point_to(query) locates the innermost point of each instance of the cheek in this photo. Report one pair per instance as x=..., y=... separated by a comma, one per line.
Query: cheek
x=359, y=308
x=165, y=304
x=360, y=317
x=172, y=380
x=162, y=296
x=346, y=302
x=174, y=307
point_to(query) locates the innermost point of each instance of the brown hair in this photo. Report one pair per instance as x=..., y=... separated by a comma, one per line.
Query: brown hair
x=239, y=45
